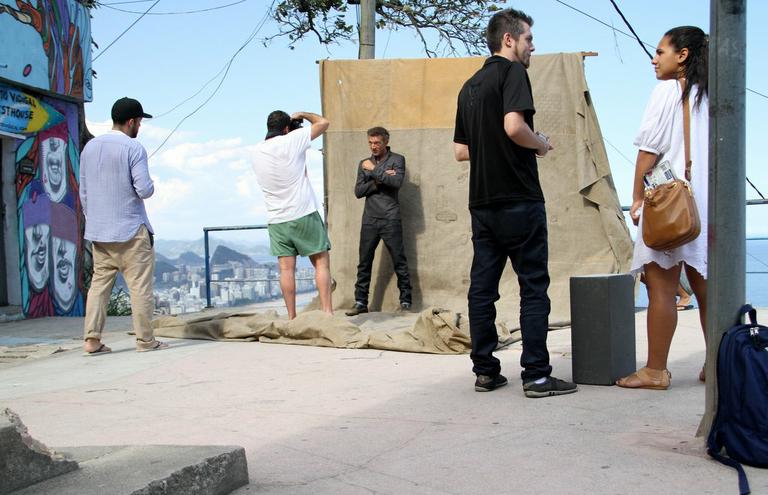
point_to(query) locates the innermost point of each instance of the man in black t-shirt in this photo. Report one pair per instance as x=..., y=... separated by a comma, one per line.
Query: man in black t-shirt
x=494, y=131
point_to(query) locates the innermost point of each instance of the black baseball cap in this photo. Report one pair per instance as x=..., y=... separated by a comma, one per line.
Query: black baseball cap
x=126, y=108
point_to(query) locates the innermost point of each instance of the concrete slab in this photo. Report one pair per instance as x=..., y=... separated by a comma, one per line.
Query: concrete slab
x=319, y=420
x=149, y=470
x=24, y=460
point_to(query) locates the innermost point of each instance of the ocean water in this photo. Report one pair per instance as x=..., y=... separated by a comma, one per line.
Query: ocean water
x=756, y=277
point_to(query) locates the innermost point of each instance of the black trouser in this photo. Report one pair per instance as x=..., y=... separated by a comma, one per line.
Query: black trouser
x=391, y=232
x=518, y=232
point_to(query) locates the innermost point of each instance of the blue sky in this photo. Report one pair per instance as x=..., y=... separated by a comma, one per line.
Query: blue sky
x=203, y=176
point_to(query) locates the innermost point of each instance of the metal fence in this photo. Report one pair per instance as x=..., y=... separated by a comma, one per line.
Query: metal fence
x=207, y=230
x=208, y=281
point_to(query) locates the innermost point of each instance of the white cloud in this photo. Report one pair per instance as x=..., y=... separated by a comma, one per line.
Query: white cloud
x=150, y=135
x=204, y=183
x=196, y=156
x=169, y=194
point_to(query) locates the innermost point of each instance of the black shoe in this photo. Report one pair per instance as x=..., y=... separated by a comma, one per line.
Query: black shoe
x=357, y=309
x=485, y=383
x=552, y=386
x=405, y=306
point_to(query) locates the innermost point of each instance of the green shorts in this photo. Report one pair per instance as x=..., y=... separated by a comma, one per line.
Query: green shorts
x=304, y=236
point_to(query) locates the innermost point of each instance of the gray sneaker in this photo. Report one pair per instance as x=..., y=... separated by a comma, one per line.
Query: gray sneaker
x=551, y=386
x=485, y=383
x=357, y=309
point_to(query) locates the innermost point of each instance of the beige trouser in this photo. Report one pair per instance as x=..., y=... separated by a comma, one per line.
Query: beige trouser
x=135, y=259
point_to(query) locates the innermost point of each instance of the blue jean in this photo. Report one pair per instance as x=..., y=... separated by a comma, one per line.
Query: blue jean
x=518, y=232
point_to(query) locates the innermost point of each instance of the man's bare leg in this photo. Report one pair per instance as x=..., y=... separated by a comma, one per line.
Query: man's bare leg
x=288, y=283
x=322, y=264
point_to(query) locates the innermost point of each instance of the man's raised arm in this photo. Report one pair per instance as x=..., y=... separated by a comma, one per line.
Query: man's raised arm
x=319, y=123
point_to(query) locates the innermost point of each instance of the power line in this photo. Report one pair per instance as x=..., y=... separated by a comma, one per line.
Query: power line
x=126, y=30
x=642, y=44
x=631, y=29
x=756, y=189
x=646, y=51
x=121, y=3
x=197, y=93
x=601, y=22
x=629, y=35
x=619, y=152
x=759, y=94
x=175, y=13
x=227, y=66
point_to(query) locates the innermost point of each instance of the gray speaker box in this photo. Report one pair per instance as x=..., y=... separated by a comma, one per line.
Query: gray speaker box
x=602, y=328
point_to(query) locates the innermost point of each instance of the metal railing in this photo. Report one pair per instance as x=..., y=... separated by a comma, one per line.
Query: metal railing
x=206, y=230
x=208, y=280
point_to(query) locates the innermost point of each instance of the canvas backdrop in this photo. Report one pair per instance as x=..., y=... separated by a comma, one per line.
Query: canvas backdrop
x=416, y=101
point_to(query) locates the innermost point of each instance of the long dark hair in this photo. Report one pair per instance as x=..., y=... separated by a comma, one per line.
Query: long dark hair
x=696, y=66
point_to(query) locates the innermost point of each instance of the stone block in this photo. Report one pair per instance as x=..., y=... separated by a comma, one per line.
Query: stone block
x=23, y=460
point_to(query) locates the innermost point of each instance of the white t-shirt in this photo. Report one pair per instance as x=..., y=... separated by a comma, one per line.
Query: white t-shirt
x=280, y=166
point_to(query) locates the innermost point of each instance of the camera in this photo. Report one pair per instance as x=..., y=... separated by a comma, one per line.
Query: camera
x=295, y=124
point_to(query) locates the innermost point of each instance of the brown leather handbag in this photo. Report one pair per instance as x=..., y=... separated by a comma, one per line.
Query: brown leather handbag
x=670, y=215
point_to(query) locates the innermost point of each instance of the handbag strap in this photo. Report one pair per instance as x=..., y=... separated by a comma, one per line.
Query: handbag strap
x=687, y=136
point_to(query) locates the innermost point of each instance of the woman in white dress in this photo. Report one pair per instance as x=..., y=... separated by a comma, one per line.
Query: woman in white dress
x=681, y=66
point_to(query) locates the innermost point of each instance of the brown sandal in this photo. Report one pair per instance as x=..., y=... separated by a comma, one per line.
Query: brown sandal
x=647, y=378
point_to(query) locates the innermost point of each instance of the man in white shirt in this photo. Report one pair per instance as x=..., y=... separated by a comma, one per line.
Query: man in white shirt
x=114, y=182
x=293, y=221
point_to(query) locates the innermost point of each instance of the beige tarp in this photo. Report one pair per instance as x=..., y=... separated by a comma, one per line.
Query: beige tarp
x=416, y=101
x=434, y=331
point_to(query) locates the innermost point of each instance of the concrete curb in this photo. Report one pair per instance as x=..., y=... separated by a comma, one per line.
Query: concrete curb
x=150, y=470
x=23, y=460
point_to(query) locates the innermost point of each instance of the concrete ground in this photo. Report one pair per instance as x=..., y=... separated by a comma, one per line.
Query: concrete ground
x=318, y=420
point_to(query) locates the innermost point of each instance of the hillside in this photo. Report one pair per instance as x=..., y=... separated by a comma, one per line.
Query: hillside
x=224, y=255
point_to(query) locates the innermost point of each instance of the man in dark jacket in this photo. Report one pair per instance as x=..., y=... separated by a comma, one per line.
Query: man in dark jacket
x=379, y=178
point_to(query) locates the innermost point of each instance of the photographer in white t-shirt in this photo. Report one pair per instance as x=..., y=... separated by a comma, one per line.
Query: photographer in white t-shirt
x=293, y=221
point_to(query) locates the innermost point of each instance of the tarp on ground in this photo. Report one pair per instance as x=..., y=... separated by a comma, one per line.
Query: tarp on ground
x=416, y=101
x=433, y=331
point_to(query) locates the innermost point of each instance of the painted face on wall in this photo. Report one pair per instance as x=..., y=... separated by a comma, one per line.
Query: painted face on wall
x=64, y=284
x=54, y=159
x=38, y=238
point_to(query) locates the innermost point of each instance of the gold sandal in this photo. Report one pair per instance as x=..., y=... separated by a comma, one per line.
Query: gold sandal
x=647, y=378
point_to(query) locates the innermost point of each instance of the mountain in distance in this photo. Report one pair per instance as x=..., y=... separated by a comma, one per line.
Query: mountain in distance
x=159, y=258
x=190, y=258
x=224, y=255
x=173, y=249
x=162, y=267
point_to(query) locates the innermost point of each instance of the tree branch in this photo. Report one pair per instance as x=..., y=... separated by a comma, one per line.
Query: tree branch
x=444, y=27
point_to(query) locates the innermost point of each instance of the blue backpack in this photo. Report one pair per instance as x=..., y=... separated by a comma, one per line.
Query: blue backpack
x=741, y=423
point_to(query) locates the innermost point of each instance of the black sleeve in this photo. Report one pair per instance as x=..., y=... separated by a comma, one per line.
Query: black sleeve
x=364, y=185
x=459, y=134
x=394, y=181
x=516, y=90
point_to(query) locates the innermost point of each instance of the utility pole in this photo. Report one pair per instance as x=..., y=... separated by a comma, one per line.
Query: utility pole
x=727, y=171
x=367, y=29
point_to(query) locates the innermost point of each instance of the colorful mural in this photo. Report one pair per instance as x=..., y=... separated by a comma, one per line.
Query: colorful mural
x=46, y=44
x=50, y=223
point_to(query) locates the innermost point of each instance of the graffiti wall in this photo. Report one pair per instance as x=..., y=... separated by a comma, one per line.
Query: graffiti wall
x=46, y=44
x=49, y=212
